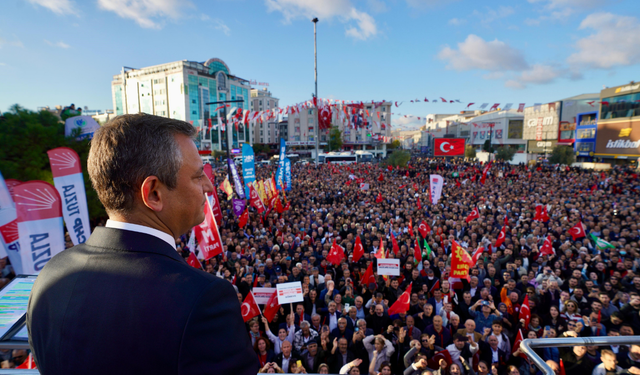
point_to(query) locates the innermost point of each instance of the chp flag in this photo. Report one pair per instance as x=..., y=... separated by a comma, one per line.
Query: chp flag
x=9, y=228
x=67, y=178
x=208, y=235
x=448, y=147
x=40, y=225
x=436, y=186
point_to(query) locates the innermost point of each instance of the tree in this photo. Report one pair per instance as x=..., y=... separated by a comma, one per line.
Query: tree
x=470, y=152
x=505, y=153
x=335, y=139
x=399, y=158
x=394, y=145
x=562, y=155
x=25, y=138
x=487, y=146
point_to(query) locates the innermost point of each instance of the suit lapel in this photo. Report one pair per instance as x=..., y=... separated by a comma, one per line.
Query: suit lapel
x=126, y=240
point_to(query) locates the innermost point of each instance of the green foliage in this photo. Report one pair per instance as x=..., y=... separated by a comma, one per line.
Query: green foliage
x=25, y=138
x=335, y=139
x=470, y=151
x=220, y=154
x=399, y=158
x=487, y=146
x=562, y=155
x=260, y=147
x=505, y=153
x=395, y=144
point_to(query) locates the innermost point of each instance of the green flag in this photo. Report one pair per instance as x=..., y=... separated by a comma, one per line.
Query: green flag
x=426, y=246
x=600, y=243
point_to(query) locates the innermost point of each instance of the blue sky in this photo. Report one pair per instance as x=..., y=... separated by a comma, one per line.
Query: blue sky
x=63, y=51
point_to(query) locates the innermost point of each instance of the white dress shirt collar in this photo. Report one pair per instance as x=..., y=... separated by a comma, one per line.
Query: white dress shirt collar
x=142, y=229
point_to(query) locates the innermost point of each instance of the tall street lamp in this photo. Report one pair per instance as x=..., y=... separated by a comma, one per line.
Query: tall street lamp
x=315, y=68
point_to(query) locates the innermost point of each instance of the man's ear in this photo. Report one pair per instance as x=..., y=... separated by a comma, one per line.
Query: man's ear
x=151, y=193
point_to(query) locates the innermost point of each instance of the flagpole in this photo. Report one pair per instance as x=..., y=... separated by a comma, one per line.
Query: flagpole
x=315, y=69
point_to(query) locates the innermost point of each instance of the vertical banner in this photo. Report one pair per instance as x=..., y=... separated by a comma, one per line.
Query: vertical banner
x=287, y=174
x=437, y=183
x=280, y=172
x=208, y=235
x=254, y=199
x=236, y=179
x=10, y=230
x=67, y=177
x=213, y=196
x=238, y=206
x=40, y=226
x=248, y=167
x=8, y=216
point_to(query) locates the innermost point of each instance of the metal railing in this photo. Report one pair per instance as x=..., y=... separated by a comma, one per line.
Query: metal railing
x=528, y=345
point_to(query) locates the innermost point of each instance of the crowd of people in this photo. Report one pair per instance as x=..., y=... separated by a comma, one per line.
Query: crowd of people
x=586, y=287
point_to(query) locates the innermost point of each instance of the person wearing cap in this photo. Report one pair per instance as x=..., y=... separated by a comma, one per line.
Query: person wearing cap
x=463, y=346
x=314, y=355
x=486, y=317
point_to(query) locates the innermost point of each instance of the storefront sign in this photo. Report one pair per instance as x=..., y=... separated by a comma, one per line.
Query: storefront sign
x=620, y=138
x=541, y=146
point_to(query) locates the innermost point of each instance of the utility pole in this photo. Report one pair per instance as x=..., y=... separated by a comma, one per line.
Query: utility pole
x=315, y=69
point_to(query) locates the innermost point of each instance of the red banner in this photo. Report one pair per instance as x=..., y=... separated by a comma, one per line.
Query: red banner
x=460, y=262
x=208, y=235
x=213, y=196
x=448, y=147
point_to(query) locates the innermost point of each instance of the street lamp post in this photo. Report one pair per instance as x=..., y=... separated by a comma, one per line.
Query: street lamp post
x=315, y=69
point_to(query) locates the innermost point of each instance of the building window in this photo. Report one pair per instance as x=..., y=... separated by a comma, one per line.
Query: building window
x=193, y=112
x=261, y=132
x=193, y=101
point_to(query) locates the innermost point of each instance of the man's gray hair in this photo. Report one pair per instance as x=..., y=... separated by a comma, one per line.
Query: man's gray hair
x=130, y=148
x=304, y=324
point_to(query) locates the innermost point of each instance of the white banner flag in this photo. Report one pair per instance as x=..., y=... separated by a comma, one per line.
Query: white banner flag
x=67, y=177
x=10, y=230
x=39, y=224
x=8, y=215
x=437, y=183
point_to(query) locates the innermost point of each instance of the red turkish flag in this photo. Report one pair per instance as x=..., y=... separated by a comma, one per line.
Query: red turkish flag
x=395, y=247
x=193, y=261
x=477, y=255
x=411, y=227
x=336, y=254
x=379, y=198
x=424, y=229
x=501, y=236
x=547, y=247
x=525, y=312
x=402, y=304
x=381, y=177
x=506, y=220
x=28, y=364
x=516, y=343
x=485, y=170
x=215, y=202
x=208, y=235
x=475, y=214
x=448, y=146
x=249, y=308
x=577, y=231
x=417, y=253
x=272, y=306
x=244, y=218
x=389, y=168
x=358, y=250
x=419, y=204
x=368, y=276
x=434, y=287
x=255, y=200
x=324, y=117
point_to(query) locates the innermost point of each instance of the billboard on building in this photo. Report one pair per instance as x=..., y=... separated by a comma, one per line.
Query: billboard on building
x=618, y=138
x=448, y=147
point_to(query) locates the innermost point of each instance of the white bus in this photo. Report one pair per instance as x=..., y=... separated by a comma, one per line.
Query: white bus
x=338, y=158
x=364, y=156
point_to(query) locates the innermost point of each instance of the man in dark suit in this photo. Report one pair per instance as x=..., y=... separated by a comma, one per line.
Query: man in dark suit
x=330, y=316
x=286, y=357
x=127, y=290
x=491, y=354
x=340, y=355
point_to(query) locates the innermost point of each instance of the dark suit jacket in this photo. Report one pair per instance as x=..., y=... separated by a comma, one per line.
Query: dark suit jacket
x=278, y=360
x=126, y=303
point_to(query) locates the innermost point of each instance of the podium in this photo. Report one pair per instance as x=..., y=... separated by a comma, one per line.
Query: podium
x=14, y=300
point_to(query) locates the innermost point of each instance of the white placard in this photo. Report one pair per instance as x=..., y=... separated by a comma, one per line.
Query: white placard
x=262, y=295
x=389, y=267
x=364, y=186
x=290, y=292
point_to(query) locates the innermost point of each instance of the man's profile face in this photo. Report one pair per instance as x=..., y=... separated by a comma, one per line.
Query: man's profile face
x=183, y=207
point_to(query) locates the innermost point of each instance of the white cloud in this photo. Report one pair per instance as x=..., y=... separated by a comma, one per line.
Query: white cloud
x=405, y=123
x=491, y=14
x=56, y=6
x=616, y=41
x=143, y=12
x=561, y=10
x=421, y=4
x=583, y=4
x=476, y=53
x=377, y=6
x=538, y=74
x=457, y=21
x=364, y=28
x=219, y=25
x=10, y=43
x=58, y=44
x=513, y=84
